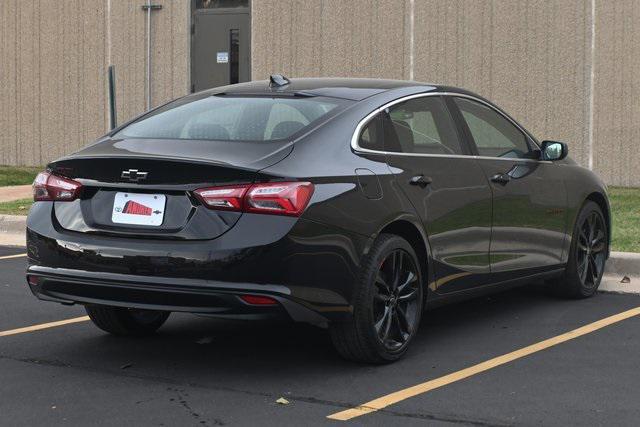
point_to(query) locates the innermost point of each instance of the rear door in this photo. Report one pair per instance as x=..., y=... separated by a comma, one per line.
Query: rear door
x=529, y=199
x=445, y=185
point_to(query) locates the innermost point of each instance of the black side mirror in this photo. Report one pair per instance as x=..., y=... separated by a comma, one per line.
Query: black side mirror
x=554, y=150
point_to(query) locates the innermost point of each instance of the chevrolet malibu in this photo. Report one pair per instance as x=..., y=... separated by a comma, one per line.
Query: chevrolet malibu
x=350, y=204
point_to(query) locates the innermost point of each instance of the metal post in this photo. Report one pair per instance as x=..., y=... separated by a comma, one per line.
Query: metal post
x=148, y=8
x=113, y=121
x=148, y=54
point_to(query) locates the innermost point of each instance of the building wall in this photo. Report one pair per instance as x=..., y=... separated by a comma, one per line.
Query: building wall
x=617, y=92
x=530, y=57
x=55, y=53
x=329, y=38
x=534, y=58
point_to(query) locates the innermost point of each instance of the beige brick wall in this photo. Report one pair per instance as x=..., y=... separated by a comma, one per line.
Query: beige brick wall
x=329, y=38
x=617, y=92
x=53, y=86
x=527, y=56
x=532, y=57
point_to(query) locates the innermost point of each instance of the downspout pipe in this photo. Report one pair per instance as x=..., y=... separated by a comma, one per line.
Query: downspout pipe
x=113, y=121
x=148, y=54
x=148, y=8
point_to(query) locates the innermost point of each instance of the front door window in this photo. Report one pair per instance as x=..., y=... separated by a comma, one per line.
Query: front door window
x=493, y=134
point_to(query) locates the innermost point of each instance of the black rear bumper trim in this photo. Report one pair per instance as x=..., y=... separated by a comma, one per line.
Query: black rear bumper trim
x=158, y=293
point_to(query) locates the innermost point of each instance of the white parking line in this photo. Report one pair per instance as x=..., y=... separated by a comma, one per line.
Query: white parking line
x=12, y=256
x=425, y=387
x=43, y=326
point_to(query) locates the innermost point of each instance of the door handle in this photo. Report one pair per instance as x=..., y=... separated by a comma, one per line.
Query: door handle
x=420, y=180
x=501, y=178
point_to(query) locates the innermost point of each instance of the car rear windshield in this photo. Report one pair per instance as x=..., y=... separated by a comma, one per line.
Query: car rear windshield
x=239, y=118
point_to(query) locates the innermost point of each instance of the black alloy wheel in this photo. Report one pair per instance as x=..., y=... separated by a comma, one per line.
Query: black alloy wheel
x=590, y=253
x=396, y=304
x=387, y=304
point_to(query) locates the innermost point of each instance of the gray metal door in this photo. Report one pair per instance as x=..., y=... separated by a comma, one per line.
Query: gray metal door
x=220, y=51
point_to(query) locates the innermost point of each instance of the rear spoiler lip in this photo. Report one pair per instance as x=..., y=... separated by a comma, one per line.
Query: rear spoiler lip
x=270, y=157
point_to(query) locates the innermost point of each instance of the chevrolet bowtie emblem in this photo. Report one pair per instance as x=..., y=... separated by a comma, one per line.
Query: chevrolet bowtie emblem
x=134, y=175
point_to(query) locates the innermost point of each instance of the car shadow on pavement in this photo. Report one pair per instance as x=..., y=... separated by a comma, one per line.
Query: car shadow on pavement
x=198, y=349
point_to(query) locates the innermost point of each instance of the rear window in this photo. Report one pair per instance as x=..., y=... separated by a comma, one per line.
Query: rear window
x=225, y=118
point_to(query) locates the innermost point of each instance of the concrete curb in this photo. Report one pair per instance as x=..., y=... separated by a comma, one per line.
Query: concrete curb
x=12, y=230
x=622, y=274
x=619, y=266
x=626, y=263
x=13, y=224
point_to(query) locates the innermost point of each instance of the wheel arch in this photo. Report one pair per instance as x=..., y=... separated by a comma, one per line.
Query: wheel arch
x=412, y=233
x=601, y=200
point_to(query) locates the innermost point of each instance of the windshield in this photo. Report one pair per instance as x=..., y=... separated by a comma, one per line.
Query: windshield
x=224, y=118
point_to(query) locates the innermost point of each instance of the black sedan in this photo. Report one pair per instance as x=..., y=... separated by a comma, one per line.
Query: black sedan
x=350, y=204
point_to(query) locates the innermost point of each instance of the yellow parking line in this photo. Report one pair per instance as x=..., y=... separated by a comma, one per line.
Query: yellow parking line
x=398, y=396
x=43, y=326
x=12, y=256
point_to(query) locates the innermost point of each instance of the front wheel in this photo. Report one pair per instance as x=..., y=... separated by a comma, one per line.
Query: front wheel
x=588, y=254
x=387, y=308
x=125, y=321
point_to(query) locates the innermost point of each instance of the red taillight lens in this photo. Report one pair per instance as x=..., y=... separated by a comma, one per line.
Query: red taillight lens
x=227, y=198
x=49, y=187
x=277, y=198
x=280, y=198
x=258, y=300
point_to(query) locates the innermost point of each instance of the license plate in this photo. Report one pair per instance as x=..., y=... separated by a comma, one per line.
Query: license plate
x=138, y=209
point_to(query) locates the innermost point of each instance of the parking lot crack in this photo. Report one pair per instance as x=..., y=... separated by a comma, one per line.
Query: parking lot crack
x=182, y=397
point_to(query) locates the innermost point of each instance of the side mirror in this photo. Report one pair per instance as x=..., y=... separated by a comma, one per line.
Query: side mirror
x=554, y=150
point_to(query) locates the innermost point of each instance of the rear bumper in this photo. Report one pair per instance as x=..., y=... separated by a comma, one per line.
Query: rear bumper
x=308, y=267
x=157, y=293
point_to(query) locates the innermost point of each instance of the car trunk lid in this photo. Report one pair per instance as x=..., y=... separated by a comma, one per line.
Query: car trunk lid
x=158, y=183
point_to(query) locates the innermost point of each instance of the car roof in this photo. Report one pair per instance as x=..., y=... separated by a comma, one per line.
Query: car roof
x=355, y=89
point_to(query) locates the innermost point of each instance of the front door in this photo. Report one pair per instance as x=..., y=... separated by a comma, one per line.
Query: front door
x=447, y=188
x=529, y=201
x=220, y=51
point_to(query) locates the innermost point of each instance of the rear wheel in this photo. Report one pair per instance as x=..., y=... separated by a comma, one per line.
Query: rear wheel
x=589, y=247
x=388, y=304
x=124, y=321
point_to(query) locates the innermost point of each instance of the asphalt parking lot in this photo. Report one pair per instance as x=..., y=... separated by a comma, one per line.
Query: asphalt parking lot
x=200, y=371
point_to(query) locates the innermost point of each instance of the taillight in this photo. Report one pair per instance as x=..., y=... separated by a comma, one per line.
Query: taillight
x=286, y=198
x=277, y=198
x=49, y=187
x=227, y=198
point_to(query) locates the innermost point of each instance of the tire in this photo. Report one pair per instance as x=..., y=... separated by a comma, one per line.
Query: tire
x=587, y=256
x=124, y=321
x=387, y=307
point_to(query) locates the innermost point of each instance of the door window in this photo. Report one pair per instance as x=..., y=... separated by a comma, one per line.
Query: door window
x=371, y=135
x=421, y=125
x=493, y=134
x=234, y=53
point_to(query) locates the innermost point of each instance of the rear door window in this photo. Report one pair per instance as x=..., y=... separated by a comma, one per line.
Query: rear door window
x=227, y=118
x=422, y=126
